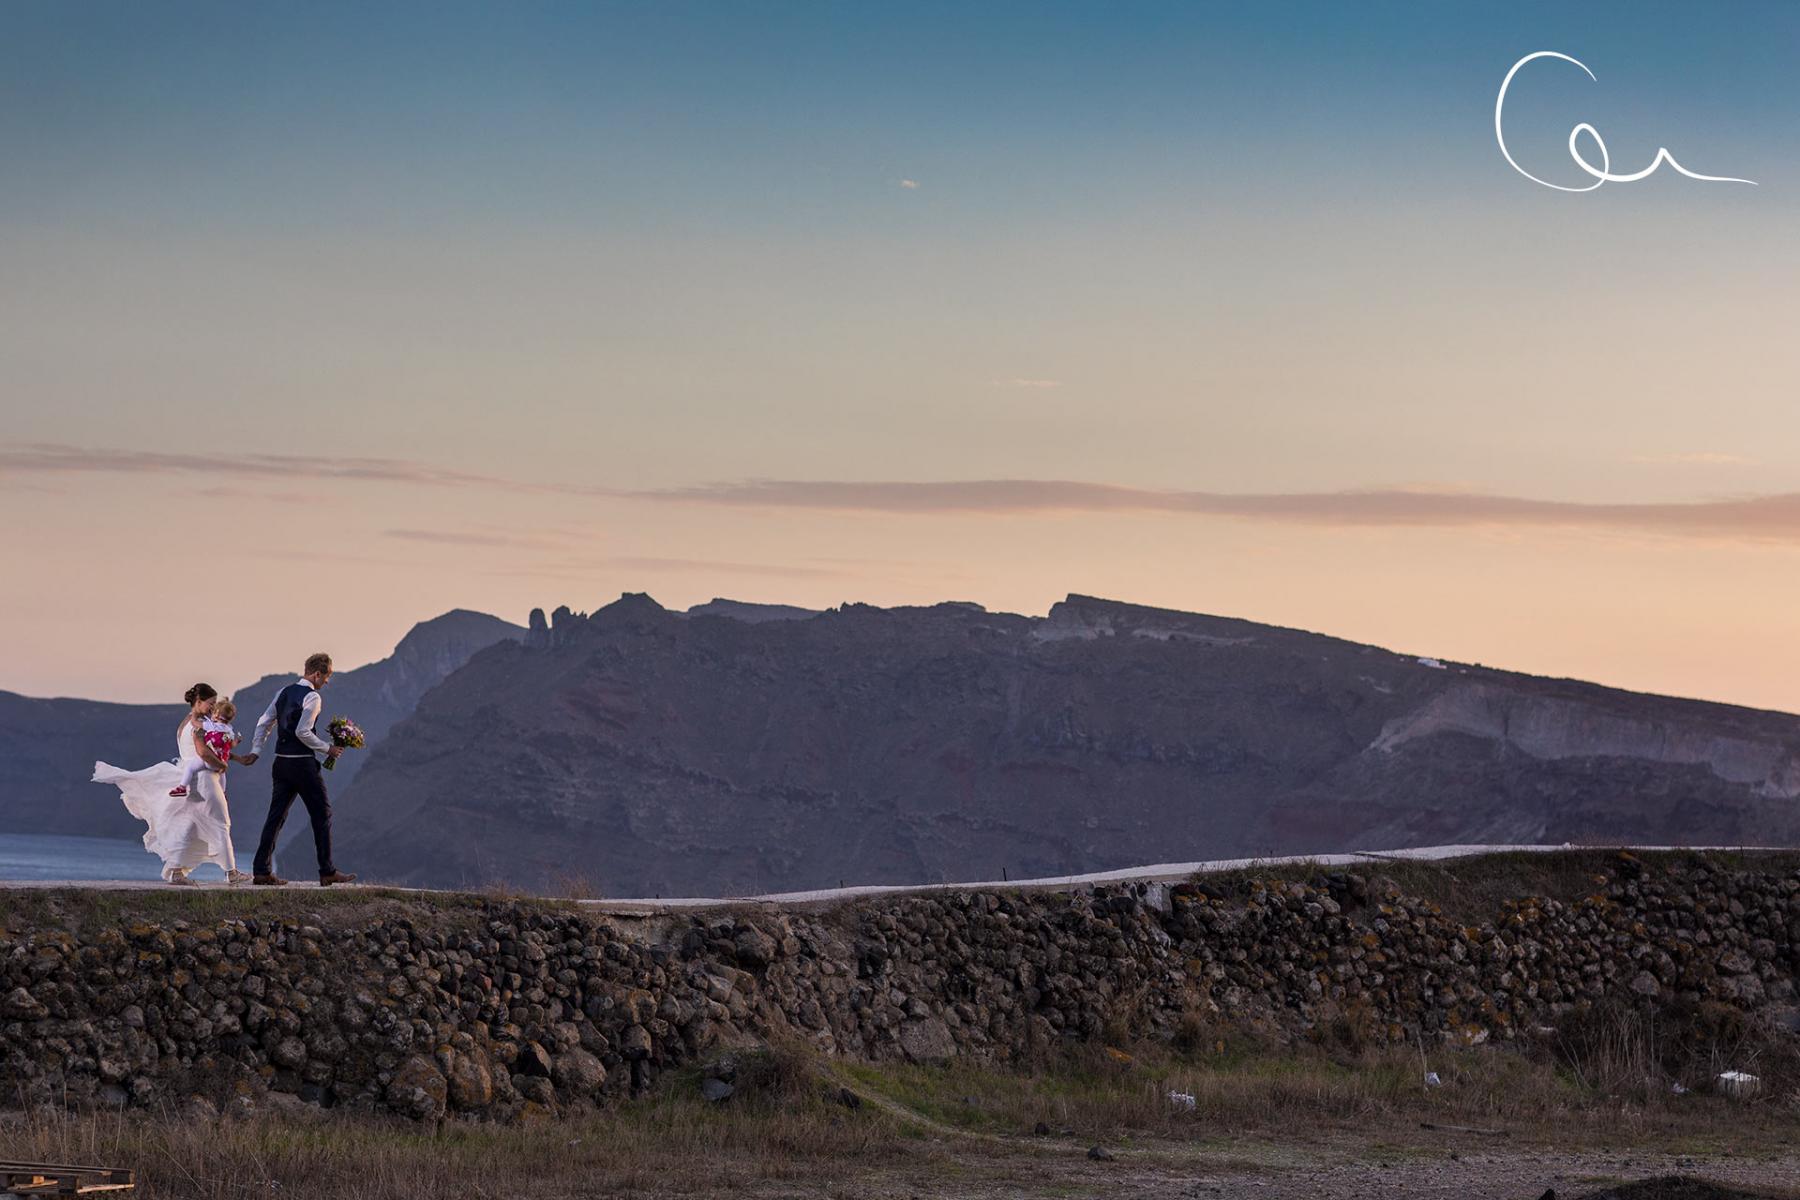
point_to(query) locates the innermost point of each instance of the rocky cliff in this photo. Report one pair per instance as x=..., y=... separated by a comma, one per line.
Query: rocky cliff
x=48, y=747
x=652, y=752
x=500, y=1010
x=380, y=695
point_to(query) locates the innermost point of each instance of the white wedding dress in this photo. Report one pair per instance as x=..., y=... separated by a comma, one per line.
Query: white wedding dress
x=184, y=831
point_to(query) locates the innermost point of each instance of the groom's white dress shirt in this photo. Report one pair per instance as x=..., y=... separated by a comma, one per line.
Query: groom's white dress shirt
x=309, y=716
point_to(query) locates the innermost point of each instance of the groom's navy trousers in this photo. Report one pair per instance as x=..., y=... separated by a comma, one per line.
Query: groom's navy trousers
x=303, y=778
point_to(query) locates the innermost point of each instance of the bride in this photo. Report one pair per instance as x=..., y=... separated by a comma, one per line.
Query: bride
x=186, y=830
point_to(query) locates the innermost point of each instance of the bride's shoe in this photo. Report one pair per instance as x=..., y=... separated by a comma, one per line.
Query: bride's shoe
x=180, y=879
x=238, y=877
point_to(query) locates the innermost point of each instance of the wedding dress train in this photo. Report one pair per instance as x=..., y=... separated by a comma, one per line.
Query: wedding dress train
x=183, y=831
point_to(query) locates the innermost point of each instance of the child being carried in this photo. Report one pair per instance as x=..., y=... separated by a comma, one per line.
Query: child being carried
x=220, y=738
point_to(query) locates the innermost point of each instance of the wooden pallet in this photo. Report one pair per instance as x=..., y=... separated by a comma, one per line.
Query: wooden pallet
x=50, y=1179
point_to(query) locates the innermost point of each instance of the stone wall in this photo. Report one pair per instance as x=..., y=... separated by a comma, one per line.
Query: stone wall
x=508, y=1010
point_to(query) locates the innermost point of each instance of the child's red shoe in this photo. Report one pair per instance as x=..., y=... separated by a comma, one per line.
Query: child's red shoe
x=177, y=791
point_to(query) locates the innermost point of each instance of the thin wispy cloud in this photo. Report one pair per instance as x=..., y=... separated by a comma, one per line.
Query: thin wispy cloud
x=1707, y=458
x=589, y=568
x=707, y=566
x=228, y=492
x=289, y=555
x=54, y=458
x=443, y=537
x=1774, y=517
x=562, y=539
x=911, y=185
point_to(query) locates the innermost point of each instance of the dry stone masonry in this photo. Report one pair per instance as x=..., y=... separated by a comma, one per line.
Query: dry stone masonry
x=509, y=1011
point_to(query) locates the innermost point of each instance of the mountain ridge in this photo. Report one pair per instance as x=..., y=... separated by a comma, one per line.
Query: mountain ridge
x=660, y=752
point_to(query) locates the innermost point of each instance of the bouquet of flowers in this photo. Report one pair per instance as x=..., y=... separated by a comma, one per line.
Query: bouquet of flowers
x=344, y=732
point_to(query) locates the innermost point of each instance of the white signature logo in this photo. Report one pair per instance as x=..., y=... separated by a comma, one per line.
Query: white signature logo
x=1602, y=173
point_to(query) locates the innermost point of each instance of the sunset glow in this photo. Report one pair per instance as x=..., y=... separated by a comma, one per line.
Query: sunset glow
x=496, y=308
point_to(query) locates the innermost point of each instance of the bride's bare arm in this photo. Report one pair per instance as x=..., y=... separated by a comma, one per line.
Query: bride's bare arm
x=206, y=752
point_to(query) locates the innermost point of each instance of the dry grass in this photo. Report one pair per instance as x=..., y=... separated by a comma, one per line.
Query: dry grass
x=785, y=1130
x=1242, y=1087
x=1648, y=1054
x=576, y=885
x=673, y=1143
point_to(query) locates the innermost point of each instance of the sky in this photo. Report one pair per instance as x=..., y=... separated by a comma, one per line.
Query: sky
x=317, y=321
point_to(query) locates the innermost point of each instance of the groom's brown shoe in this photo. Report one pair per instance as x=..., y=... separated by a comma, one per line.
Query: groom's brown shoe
x=335, y=877
x=269, y=881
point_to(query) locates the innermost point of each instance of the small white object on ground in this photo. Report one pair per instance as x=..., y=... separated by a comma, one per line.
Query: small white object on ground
x=1182, y=1100
x=1432, y=1080
x=1739, y=1085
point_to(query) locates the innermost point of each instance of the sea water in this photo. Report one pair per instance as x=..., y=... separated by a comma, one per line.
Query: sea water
x=49, y=856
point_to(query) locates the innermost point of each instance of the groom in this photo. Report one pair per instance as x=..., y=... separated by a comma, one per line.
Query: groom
x=292, y=716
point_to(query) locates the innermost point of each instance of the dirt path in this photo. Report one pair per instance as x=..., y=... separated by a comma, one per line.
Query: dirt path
x=991, y=1169
x=1393, y=1162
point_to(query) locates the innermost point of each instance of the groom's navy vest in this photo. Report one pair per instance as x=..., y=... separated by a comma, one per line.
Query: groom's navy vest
x=287, y=718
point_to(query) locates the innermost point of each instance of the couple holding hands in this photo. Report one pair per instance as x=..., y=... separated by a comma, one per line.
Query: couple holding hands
x=183, y=802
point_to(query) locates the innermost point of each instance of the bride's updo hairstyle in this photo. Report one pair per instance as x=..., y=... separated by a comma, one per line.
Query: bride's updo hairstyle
x=199, y=692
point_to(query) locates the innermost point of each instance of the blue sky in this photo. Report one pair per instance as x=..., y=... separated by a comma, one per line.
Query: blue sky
x=759, y=115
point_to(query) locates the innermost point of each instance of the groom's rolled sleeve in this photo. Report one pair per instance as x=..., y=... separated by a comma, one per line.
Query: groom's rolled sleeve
x=309, y=716
x=265, y=725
